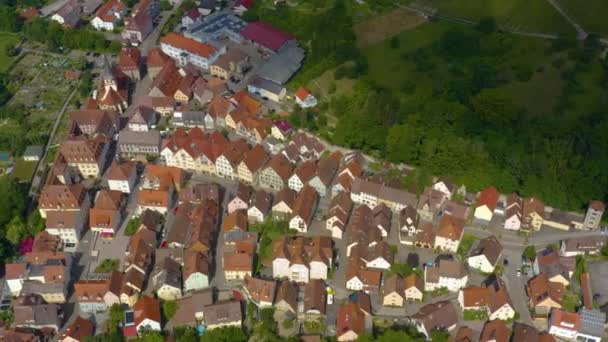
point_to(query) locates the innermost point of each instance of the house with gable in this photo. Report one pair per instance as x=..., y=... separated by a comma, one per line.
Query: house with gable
x=304, y=98
x=338, y=213
x=450, y=274
x=513, y=212
x=276, y=173
x=302, y=258
x=485, y=256
x=449, y=234
x=304, y=209
x=109, y=15
x=486, y=203
x=249, y=167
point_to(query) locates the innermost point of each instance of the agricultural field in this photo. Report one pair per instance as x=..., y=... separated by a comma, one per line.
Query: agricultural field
x=5, y=40
x=379, y=28
x=517, y=15
x=591, y=15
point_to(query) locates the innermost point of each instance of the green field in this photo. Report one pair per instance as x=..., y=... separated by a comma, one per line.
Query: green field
x=6, y=39
x=24, y=170
x=517, y=15
x=591, y=15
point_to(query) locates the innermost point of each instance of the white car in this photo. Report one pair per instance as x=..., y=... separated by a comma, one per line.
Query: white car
x=519, y=273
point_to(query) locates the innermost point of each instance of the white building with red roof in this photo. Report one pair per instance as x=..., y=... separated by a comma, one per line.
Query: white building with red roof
x=266, y=36
x=109, y=15
x=486, y=203
x=186, y=50
x=304, y=98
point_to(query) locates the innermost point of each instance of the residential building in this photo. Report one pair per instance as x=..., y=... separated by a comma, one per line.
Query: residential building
x=68, y=225
x=485, y=256
x=137, y=28
x=15, y=274
x=302, y=258
x=281, y=129
x=276, y=173
x=267, y=89
x=564, y=324
x=156, y=60
x=69, y=14
x=122, y=177
x=304, y=98
x=592, y=325
x=414, y=288
x=241, y=199
x=304, y=209
x=92, y=122
x=557, y=268
x=78, y=330
x=450, y=274
x=166, y=279
x=231, y=64
x=430, y=203
x=393, y=291
x=435, y=316
x=147, y=314
x=265, y=36
x=158, y=186
x=445, y=186
x=338, y=213
x=326, y=170
x=141, y=119
x=371, y=194
x=581, y=246
x=449, y=234
x=32, y=312
x=284, y=201
x=260, y=207
x=139, y=144
x=544, y=294
x=190, y=309
x=286, y=300
x=495, y=331
x=593, y=217
x=260, y=291
x=237, y=265
x=350, y=322
x=193, y=150
x=514, y=212
x=524, y=332
x=225, y=314
x=186, y=50
x=63, y=197
x=408, y=221
x=486, y=203
x=90, y=295
x=360, y=278
x=87, y=155
x=227, y=163
x=492, y=297
x=109, y=15
x=237, y=220
x=533, y=214
x=251, y=164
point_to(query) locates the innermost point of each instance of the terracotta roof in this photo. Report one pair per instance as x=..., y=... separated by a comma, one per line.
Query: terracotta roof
x=586, y=291
x=450, y=228
x=255, y=158
x=306, y=203
x=129, y=59
x=597, y=205
x=108, y=199
x=281, y=166
x=446, y=268
x=236, y=219
x=115, y=282
x=499, y=296
x=238, y=262
x=79, y=329
x=302, y=93
x=91, y=290
x=220, y=106
x=565, y=319
x=392, y=284
x=299, y=249
x=262, y=201
x=29, y=13
x=102, y=218
x=108, y=12
x=59, y=219
x=551, y=263
x=495, y=331
x=475, y=296
x=533, y=205
x=414, y=281
x=288, y=292
x=15, y=270
x=156, y=58
x=166, y=176
x=464, y=334
x=180, y=42
x=246, y=102
x=146, y=307
x=524, y=332
x=488, y=197
x=62, y=196
x=265, y=35
x=195, y=262
x=82, y=149
x=235, y=151
x=120, y=171
x=167, y=80
x=306, y=170
x=540, y=288
x=260, y=289
x=350, y=318
x=287, y=195
x=315, y=296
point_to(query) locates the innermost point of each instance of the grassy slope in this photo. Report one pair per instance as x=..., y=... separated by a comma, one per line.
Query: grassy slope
x=5, y=39
x=591, y=14
x=389, y=69
x=522, y=15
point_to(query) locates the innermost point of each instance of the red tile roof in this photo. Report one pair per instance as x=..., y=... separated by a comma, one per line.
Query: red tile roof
x=302, y=93
x=108, y=11
x=265, y=35
x=190, y=45
x=146, y=307
x=350, y=318
x=129, y=58
x=488, y=197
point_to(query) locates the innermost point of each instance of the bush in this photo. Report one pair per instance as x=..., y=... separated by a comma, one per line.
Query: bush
x=394, y=43
x=287, y=324
x=475, y=315
x=169, y=309
x=107, y=266
x=132, y=226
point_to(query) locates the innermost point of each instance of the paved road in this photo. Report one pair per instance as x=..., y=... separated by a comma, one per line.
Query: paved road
x=36, y=181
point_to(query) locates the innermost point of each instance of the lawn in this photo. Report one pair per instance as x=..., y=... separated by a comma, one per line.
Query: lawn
x=518, y=15
x=591, y=14
x=24, y=170
x=6, y=39
x=465, y=244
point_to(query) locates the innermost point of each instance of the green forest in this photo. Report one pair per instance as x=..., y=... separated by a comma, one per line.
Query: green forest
x=472, y=103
